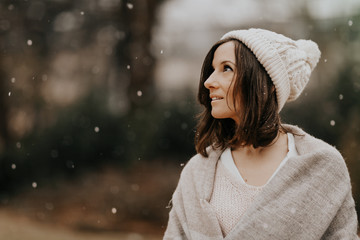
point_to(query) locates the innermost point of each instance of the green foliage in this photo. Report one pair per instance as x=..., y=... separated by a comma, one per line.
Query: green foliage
x=87, y=136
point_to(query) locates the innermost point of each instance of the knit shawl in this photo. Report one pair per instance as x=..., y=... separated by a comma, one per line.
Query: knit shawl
x=309, y=198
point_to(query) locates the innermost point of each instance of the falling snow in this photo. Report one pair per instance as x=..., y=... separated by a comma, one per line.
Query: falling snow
x=130, y=5
x=332, y=123
x=34, y=185
x=162, y=51
x=341, y=97
x=82, y=13
x=49, y=206
x=167, y=114
x=9, y=94
x=13, y=80
x=29, y=42
x=114, y=189
x=44, y=77
x=139, y=93
x=325, y=60
x=97, y=129
x=350, y=23
x=128, y=67
x=13, y=166
x=18, y=144
x=113, y=210
x=70, y=164
x=184, y=126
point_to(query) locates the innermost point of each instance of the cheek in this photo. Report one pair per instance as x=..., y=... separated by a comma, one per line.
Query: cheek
x=231, y=99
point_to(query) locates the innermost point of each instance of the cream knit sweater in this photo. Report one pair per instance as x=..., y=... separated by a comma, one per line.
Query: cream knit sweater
x=231, y=198
x=309, y=198
x=231, y=195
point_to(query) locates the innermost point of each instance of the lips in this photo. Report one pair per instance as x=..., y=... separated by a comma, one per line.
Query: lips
x=215, y=98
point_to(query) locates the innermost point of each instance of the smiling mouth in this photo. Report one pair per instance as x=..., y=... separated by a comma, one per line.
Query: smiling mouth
x=216, y=98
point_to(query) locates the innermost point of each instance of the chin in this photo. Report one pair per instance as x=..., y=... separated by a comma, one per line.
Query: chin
x=223, y=116
x=219, y=116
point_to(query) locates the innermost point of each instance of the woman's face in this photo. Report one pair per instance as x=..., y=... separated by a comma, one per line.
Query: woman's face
x=220, y=82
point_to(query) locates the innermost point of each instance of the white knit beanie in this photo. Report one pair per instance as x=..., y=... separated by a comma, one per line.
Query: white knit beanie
x=289, y=63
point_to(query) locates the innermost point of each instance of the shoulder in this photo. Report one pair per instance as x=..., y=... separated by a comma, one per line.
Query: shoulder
x=317, y=152
x=198, y=174
x=198, y=163
x=306, y=143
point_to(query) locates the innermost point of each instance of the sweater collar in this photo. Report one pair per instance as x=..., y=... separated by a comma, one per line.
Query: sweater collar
x=302, y=142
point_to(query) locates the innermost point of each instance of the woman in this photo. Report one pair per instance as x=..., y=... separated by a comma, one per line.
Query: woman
x=253, y=177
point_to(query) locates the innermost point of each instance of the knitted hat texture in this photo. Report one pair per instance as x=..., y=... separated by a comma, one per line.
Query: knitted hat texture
x=289, y=63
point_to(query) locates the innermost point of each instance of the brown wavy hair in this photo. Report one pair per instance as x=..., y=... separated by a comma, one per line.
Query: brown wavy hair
x=254, y=101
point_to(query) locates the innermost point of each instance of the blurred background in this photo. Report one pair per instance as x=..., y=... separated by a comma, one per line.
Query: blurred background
x=98, y=104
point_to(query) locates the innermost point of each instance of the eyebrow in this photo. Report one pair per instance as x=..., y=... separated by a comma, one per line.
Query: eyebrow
x=223, y=62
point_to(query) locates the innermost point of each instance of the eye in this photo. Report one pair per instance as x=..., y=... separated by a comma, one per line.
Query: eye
x=227, y=68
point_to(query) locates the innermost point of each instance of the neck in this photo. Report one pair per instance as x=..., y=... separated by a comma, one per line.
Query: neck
x=250, y=150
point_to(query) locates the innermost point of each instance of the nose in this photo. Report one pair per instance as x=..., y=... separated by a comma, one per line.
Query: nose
x=211, y=82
